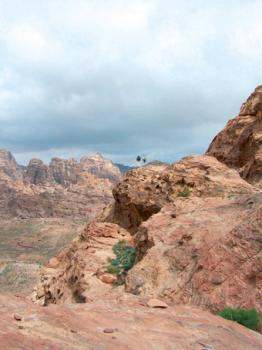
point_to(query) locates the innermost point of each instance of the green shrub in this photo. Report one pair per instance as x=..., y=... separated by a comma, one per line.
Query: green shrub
x=247, y=317
x=124, y=261
x=185, y=193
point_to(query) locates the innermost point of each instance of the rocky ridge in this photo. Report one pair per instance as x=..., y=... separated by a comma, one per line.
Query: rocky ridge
x=64, y=188
x=196, y=226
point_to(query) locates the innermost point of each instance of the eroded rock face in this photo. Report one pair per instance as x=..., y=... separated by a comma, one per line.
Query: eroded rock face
x=202, y=251
x=100, y=167
x=8, y=166
x=80, y=272
x=37, y=173
x=63, y=171
x=144, y=191
x=239, y=144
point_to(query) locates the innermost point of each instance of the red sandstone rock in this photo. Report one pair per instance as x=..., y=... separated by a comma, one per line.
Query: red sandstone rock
x=239, y=145
x=156, y=303
x=65, y=188
x=81, y=274
x=53, y=263
x=108, y=278
x=179, y=327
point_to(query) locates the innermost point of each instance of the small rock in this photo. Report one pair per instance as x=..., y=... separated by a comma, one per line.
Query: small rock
x=108, y=278
x=108, y=330
x=155, y=303
x=73, y=331
x=17, y=317
x=53, y=263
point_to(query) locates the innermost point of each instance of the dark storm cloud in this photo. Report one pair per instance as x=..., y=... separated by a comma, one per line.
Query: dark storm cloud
x=123, y=77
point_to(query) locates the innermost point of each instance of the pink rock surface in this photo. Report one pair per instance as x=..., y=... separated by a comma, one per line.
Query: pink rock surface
x=135, y=326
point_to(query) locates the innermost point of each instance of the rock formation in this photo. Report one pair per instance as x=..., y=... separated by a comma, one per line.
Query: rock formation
x=196, y=226
x=239, y=144
x=8, y=166
x=201, y=246
x=64, y=188
x=100, y=167
x=37, y=173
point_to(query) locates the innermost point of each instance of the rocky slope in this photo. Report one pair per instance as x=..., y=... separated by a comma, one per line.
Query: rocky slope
x=202, y=249
x=65, y=188
x=239, y=144
x=122, y=322
x=196, y=226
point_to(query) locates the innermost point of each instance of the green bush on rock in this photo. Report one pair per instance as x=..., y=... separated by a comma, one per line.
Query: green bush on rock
x=124, y=261
x=247, y=317
x=185, y=193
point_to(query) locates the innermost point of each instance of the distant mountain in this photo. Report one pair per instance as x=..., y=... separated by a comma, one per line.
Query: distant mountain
x=124, y=168
x=64, y=188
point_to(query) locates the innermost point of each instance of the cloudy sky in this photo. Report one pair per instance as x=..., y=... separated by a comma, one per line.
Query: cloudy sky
x=153, y=77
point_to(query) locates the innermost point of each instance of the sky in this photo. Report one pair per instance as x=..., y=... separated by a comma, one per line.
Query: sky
x=150, y=77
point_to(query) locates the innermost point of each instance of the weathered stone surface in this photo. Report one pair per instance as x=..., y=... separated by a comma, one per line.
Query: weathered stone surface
x=209, y=254
x=101, y=167
x=64, y=171
x=81, y=274
x=144, y=191
x=80, y=327
x=239, y=144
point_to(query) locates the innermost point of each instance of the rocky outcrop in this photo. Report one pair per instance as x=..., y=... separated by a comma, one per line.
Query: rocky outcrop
x=239, y=144
x=144, y=191
x=202, y=251
x=37, y=173
x=174, y=232
x=123, y=322
x=80, y=271
x=100, y=167
x=63, y=171
x=8, y=166
x=65, y=188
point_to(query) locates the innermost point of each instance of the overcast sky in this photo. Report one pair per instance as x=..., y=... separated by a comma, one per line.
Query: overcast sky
x=156, y=77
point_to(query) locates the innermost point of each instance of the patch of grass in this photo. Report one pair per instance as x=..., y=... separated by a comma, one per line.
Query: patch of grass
x=124, y=261
x=247, y=317
x=185, y=193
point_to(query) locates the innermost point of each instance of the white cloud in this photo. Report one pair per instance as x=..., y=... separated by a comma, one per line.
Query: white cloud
x=122, y=77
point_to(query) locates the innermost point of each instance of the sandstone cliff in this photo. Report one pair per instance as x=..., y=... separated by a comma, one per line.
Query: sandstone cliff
x=239, y=144
x=64, y=188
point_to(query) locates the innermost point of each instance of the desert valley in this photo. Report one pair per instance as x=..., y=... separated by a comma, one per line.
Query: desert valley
x=191, y=232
